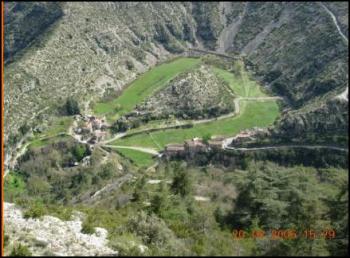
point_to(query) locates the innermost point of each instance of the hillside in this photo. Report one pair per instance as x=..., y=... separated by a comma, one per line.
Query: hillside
x=296, y=50
x=162, y=128
x=195, y=94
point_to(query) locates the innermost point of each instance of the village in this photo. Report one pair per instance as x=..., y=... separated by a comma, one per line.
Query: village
x=89, y=129
x=92, y=130
x=195, y=145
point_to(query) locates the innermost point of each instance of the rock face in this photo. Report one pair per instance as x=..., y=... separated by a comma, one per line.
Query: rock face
x=52, y=236
x=25, y=21
x=326, y=123
x=93, y=48
x=196, y=94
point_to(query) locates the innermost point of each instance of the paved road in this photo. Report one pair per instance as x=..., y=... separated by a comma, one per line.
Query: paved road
x=289, y=146
x=202, y=121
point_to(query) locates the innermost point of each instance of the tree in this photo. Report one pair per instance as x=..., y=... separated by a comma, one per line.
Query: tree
x=139, y=193
x=72, y=107
x=79, y=151
x=339, y=215
x=182, y=183
x=37, y=186
x=281, y=199
x=24, y=129
x=158, y=204
x=107, y=171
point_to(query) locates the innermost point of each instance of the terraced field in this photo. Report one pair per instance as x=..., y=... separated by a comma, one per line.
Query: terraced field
x=252, y=111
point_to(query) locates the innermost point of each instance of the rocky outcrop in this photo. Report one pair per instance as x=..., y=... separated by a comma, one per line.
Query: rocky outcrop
x=297, y=50
x=94, y=48
x=328, y=122
x=51, y=236
x=197, y=94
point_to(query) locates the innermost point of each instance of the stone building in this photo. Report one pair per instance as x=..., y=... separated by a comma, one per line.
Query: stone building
x=216, y=143
x=174, y=150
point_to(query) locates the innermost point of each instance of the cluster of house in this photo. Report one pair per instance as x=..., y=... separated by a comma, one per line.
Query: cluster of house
x=193, y=146
x=91, y=128
x=248, y=135
x=196, y=145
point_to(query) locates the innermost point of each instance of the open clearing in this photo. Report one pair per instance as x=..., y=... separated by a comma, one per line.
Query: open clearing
x=252, y=113
x=143, y=87
x=139, y=158
x=259, y=114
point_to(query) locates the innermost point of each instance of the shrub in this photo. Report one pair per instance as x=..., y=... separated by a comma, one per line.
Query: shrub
x=87, y=227
x=206, y=138
x=20, y=250
x=129, y=64
x=182, y=183
x=72, y=107
x=37, y=185
x=35, y=210
x=6, y=239
x=79, y=151
x=24, y=129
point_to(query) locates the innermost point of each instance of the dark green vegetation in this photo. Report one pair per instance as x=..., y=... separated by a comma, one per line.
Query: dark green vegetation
x=71, y=107
x=169, y=221
x=285, y=156
x=47, y=172
x=292, y=198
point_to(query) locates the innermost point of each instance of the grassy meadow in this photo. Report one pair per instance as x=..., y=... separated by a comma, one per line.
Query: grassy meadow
x=143, y=87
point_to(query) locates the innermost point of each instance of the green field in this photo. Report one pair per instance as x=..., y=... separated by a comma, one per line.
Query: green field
x=140, y=159
x=261, y=114
x=241, y=85
x=252, y=112
x=143, y=87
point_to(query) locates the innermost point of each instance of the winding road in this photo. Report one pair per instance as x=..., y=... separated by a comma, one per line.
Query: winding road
x=288, y=146
x=188, y=122
x=335, y=22
x=345, y=93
